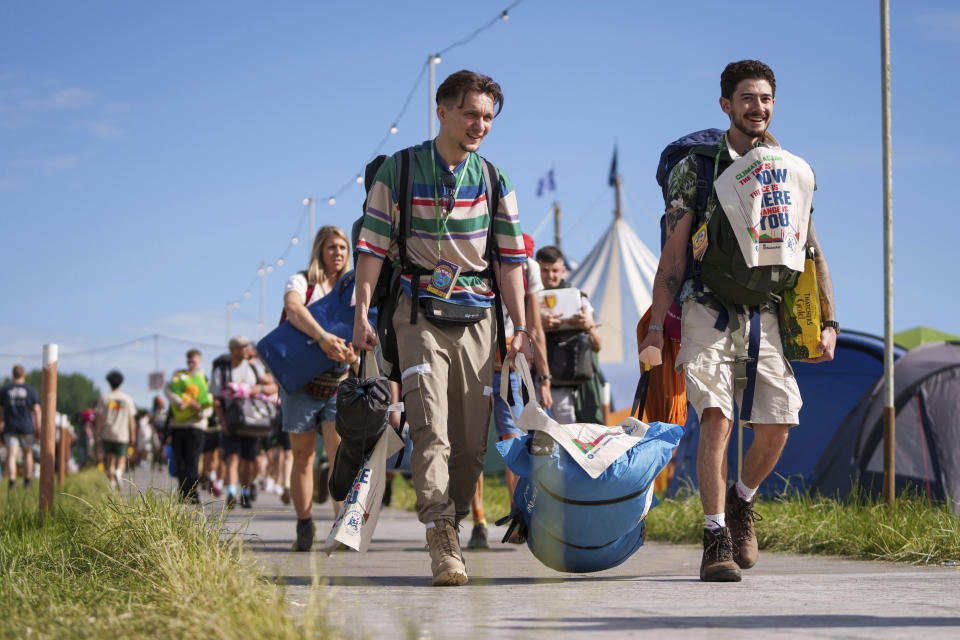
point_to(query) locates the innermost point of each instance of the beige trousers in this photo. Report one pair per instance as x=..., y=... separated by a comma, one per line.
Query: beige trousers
x=447, y=376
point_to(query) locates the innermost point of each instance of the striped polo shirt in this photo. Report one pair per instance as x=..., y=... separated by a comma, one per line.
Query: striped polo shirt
x=463, y=240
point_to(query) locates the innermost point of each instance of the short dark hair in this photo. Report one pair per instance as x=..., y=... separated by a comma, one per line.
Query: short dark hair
x=549, y=254
x=115, y=378
x=457, y=85
x=18, y=371
x=193, y=352
x=736, y=72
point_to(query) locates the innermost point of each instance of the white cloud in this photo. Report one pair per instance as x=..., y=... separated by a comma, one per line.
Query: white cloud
x=98, y=129
x=56, y=163
x=943, y=26
x=69, y=98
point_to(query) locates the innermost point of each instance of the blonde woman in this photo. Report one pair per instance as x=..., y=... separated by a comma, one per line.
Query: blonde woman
x=315, y=404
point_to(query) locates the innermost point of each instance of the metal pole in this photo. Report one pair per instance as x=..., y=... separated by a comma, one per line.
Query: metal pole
x=263, y=295
x=556, y=224
x=156, y=352
x=48, y=412
x=889, y=416
x=431, y=105
x=64, y=452
x=619, y=211
x=312, y=225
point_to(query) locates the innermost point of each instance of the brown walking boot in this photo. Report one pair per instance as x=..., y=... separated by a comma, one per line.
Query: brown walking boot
x=740, y=516
x=717, y=564
x=446, y=561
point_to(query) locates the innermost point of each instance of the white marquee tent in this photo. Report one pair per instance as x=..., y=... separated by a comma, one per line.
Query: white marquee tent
x=617, y=275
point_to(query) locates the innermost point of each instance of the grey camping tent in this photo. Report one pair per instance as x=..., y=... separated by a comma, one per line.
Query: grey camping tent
x=927, y=456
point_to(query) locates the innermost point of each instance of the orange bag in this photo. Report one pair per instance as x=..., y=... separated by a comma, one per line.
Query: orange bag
x=666, y=394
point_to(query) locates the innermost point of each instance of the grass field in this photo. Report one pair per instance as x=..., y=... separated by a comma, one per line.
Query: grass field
x=912, y=531
x=102, y=567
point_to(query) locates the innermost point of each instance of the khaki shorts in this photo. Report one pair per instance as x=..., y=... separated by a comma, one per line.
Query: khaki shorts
x=706, y=357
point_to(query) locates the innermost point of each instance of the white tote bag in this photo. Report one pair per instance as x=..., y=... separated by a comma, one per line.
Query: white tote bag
x=357, y=519
x=593, y=446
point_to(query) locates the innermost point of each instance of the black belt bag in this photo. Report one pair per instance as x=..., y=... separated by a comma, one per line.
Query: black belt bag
x=441, y=312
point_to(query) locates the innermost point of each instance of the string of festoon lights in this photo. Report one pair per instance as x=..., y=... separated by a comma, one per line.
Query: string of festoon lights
x=309, y=203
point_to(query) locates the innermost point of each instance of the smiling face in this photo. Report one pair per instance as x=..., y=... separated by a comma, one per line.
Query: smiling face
x=750, y=109
x=333, y=254
x=464, y=126
x=552, y=273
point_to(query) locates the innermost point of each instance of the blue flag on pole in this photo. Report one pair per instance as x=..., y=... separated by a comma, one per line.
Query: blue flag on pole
x=546, y=183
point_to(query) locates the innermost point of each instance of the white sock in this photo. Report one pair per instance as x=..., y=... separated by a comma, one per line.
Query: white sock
x=119, y=476
x=715, y=521
x=745, y=492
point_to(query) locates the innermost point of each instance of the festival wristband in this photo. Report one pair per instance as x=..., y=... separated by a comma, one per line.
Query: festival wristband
x=655, y=327
x=323, y=336
x=520, y=329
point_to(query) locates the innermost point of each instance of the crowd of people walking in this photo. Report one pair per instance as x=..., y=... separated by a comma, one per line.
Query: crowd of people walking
x=465, y=294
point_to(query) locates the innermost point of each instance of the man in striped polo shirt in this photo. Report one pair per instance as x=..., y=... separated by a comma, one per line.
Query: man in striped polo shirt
x=447, y=369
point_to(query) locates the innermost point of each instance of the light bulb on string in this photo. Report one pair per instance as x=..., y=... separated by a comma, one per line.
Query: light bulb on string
x=279, y=262
x=260, y=271
x=269, y=268
x=332, y=201
x=504, y=16
x=436, y=58
x=307, y=201
x=359, y=179
x=393, y=129
x=236, y=304
x=294, y=240
x=246, y=294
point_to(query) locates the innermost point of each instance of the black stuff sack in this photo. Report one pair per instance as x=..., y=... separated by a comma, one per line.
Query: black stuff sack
x=362, y=405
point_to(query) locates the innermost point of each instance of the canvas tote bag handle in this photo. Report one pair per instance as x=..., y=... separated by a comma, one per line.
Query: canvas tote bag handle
x=520, y=366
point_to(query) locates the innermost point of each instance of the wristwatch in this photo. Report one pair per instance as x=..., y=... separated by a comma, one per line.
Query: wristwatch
x=832, y=324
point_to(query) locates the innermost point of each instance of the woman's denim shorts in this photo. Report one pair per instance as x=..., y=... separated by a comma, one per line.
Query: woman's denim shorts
x=302, y=413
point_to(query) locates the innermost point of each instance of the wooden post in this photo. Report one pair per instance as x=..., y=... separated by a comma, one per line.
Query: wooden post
x=48, y=413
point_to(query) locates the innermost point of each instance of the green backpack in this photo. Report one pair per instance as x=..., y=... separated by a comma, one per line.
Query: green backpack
x=723, y=268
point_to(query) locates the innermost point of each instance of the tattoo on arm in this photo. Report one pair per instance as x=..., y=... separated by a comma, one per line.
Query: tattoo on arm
x=824, y=283
x=670, y=278
x=673, y=216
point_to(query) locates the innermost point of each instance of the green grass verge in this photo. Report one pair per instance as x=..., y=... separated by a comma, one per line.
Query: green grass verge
x=102, y=567
x=912, y=531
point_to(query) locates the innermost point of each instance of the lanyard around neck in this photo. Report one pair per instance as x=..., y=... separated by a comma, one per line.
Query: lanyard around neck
x=442, y=220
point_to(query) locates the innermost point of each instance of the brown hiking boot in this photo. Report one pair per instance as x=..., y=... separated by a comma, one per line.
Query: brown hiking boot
x=717, y=564
x=446, y=561
x=740, y=516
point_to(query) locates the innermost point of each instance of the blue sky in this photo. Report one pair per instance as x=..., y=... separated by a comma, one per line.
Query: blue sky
x=153, y=154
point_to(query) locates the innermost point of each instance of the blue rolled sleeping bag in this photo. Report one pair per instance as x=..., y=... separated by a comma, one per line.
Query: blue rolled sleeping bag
x=293, y=357
x=579, y=524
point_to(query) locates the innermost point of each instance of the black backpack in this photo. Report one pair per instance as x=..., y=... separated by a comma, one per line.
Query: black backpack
x=387, y=291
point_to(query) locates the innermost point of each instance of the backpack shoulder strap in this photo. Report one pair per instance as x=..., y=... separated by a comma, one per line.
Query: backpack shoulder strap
x=491, y=178
x=406, y=168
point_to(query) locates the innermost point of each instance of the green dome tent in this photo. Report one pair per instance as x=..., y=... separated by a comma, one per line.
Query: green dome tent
x=921, y=335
